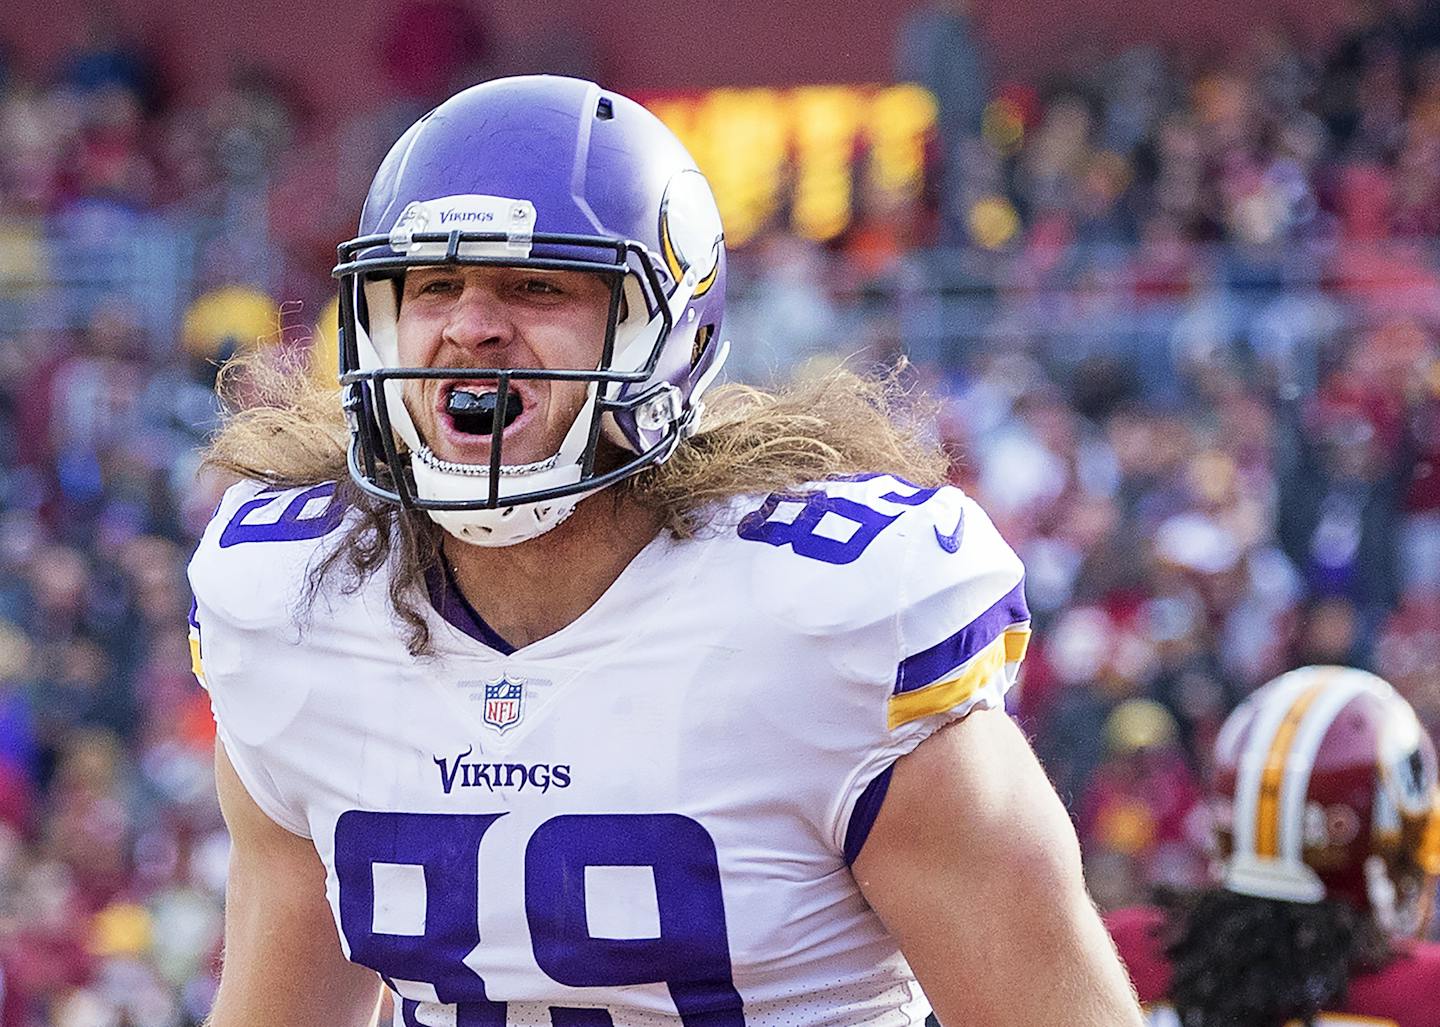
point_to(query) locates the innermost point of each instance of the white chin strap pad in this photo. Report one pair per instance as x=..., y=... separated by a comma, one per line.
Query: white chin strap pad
x=506, y=526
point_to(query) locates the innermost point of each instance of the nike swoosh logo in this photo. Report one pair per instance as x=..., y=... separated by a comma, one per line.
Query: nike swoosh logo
x=951, y=542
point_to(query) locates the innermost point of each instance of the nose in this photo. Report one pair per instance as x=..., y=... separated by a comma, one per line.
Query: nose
x=479, y=319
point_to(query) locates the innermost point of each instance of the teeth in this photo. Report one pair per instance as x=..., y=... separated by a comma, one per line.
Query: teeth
x=469, y=398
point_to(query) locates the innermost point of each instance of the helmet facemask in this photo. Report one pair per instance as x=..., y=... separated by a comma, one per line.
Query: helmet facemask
x=1406, y=829
x=500, y=503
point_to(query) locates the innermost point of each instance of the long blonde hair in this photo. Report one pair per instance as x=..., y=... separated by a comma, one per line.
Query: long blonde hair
x=287, y=431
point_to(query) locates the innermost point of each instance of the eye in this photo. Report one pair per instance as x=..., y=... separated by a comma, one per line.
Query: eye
x=540, y=287
x=431, y=282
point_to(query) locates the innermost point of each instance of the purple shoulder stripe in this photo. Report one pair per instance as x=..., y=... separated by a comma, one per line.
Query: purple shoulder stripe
x=194, y=615
x=932, y=664
x=862, y=817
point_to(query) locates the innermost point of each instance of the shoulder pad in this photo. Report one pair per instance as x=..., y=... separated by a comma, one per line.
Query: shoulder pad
x=251, y=562
x=248, y=579
x=920, y=573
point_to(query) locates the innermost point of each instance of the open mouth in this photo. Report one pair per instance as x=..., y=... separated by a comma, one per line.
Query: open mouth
x=473, y=409
x=468, y=418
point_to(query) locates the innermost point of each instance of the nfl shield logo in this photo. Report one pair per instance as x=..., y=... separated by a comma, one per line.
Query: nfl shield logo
x=504, y=703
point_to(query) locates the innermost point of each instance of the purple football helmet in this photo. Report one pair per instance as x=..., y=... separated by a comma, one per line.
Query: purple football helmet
x=550, y=173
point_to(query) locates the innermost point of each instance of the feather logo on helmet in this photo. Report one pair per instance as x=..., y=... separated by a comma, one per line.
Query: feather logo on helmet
x=690, y=230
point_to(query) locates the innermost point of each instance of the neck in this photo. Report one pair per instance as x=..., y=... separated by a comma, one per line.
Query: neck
x=528, y=591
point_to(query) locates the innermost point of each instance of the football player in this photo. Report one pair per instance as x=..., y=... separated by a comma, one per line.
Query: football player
x=545, y=696
x=1328, y=836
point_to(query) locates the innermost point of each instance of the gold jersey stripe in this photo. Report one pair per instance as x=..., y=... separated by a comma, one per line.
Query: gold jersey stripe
x=952, y=691
x=1267, y=816
x=196, y=666
x=1017, y=640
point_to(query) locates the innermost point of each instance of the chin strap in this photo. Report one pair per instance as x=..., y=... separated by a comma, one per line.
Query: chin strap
x=427, y=457
x=507, y=527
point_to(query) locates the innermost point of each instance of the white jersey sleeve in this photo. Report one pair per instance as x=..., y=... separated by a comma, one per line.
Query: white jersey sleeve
x=920, y=604
x=961, y=630
x=961, y=621
x=244, y=632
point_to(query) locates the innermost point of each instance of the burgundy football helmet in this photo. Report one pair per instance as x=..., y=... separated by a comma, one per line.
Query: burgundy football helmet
x=1326, y=787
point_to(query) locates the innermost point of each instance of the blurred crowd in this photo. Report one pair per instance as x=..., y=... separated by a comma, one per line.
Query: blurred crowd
x=1185, y=318
x=112, y=851
x=1182, y=319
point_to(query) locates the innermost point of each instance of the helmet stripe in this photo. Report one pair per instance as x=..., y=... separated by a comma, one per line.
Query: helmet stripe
x=1301, y=761
x=1267, y=814
x=1254, y=743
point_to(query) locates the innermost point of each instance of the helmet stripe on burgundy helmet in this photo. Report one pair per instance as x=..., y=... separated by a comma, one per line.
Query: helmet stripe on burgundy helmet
x=1251, y=749
x=1274, y=775
x=1288, y=765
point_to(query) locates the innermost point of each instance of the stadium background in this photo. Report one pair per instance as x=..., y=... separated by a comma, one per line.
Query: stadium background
x=1173, y=273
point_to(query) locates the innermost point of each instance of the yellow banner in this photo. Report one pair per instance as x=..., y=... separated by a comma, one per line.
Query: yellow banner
x=812, y=154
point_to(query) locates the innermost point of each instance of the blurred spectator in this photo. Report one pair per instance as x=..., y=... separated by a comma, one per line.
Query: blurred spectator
x=1339, y=493
x=940, y=49
x=1142, y=802
x=107, y=60
x=94, y=401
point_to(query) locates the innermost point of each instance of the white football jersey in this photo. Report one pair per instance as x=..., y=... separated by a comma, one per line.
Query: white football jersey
x=646, y=818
